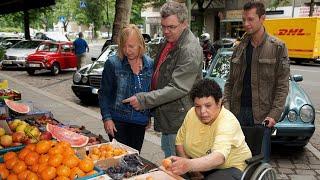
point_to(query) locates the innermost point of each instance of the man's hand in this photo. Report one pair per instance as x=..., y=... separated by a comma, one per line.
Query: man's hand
x=180, y=165
x=133, y=100
x=271, y=122
x=110, y=127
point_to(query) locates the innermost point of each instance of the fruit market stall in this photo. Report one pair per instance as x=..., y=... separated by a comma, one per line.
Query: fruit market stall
x=35, y=145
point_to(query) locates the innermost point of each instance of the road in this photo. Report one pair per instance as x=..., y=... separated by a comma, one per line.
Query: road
x=290, y=163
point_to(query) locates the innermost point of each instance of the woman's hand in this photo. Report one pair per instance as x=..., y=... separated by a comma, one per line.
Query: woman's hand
x=110, y=127
x=180, y=165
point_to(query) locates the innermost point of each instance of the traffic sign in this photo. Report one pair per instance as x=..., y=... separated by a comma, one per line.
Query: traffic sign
x=83, y=4
x=62, y=18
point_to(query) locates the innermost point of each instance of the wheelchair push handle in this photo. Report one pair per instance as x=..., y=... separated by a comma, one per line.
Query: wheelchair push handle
x=265, y=123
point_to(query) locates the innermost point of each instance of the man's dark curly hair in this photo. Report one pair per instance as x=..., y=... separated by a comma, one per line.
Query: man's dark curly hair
x=206, y=88
x=260, y=8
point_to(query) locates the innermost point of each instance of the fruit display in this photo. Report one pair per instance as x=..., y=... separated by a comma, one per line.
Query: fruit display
x=105, y=151
x=10, y=94
x=130, y=165
x=45, y=160
x=42, y=121
x=16, y=107
x=62, y=134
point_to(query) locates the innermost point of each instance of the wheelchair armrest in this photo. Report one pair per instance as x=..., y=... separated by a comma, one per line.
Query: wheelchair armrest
x=255, y=158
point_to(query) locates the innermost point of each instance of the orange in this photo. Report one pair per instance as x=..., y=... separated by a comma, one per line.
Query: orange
x=68, y=152
x=31, y=146
x=23, y=153
x=48, y=173
x=64, y=144
x=31, y=158
x=71, y=161
x=32, y=176
x=91, y=173
x=86, y=165
x=44, y=158
x=19, y=167
x=34, y=168
x=9, y=155
x=63, y=170
x=166, y=163
x=55, y=160
x=42, y=167
x=43, y=146
x=12, y=177
x=56, y=150
x=62, y=178
x=11, y=162
x=23, y=175
x=4, y=173
x=76, y=172
x=2, y=166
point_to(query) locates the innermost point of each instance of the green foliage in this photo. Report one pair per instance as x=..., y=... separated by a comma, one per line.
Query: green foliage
x=278, y=3
x=2, y=52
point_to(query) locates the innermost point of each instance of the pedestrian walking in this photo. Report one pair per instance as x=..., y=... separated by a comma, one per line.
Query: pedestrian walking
x=177, y=68
x=80, y=47
x=258, y=82
x=125, y=74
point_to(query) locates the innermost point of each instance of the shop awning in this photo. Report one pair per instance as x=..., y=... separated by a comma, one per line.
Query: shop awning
x=10, y=6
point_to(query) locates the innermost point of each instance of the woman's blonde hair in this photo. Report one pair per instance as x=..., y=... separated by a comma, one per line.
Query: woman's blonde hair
x=127, y=30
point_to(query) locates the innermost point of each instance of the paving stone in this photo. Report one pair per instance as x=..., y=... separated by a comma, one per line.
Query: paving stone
x=302, y=166
x=305, y=171
x=318, y=171
x=282, y=176
x=285, y=171
x=285, y=163
x=314, y=160
x=302, y=177
x=315, y=166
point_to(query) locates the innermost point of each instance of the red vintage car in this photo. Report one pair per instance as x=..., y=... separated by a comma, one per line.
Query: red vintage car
x=53, y=56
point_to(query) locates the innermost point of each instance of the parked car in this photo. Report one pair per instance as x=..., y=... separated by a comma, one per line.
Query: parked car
x=86, y=81
x=17, y=54
x=8, y=43
x=296, y=124
x=53, y=56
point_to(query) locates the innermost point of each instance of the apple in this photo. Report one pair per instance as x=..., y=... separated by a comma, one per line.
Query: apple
x=21, y=128
x=16, y=123
x=18, y=136
x=35, y=132
x=2, y=131
x=46, y=135
x=6, y=140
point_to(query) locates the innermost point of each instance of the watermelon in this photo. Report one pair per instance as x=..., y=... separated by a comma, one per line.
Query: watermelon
x=17, y=107
x=62, y=134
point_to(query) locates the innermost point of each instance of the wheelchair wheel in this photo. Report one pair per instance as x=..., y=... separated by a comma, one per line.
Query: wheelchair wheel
x=264, y=172
x=250, y=169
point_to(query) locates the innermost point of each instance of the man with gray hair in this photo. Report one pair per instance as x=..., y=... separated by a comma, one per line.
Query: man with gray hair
x=177, y=67
x=80, y=47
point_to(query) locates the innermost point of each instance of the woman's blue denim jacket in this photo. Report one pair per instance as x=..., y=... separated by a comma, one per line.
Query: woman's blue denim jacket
x=118, y=83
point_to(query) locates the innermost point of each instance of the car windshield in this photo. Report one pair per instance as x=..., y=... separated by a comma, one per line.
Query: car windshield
x=222, y=67
x=48, y=47
x=111, y=50
x=27, y=44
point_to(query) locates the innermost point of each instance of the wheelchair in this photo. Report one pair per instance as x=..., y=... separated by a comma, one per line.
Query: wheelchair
x=256, y=169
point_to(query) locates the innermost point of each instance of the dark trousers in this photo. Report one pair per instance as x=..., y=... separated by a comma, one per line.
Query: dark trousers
x=223, y=174
x=129, y=134
x=245, y=118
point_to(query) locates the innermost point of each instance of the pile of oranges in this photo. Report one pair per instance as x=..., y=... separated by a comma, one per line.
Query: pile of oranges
x=105, y=151
x=45, y=160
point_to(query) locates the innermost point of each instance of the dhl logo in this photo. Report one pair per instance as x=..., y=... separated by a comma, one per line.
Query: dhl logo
x=291, y=32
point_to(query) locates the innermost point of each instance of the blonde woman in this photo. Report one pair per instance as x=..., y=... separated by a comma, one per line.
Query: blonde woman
x=125, y=74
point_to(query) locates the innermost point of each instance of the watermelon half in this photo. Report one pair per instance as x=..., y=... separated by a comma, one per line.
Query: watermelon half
x=17, y=107
x=62, y=134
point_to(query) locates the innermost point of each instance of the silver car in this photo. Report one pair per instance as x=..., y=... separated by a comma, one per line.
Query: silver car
x=17, y=54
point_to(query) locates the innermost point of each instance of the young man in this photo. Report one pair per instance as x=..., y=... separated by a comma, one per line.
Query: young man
x=258, y=83
x=176, y=69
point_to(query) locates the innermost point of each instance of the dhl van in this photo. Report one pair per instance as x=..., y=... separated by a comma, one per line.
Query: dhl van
x=301, y=35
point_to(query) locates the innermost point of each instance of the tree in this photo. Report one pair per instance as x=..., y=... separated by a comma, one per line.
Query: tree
x=122, y=17
x=278, y=3
x=203, y=5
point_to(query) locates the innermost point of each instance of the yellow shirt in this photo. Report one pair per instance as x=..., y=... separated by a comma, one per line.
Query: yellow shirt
x=224, y=135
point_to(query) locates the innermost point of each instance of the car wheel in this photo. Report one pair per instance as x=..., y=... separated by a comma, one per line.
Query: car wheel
x=55, y=69
x=31, y=72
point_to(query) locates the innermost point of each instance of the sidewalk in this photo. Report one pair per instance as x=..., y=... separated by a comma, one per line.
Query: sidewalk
x=71, y=113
